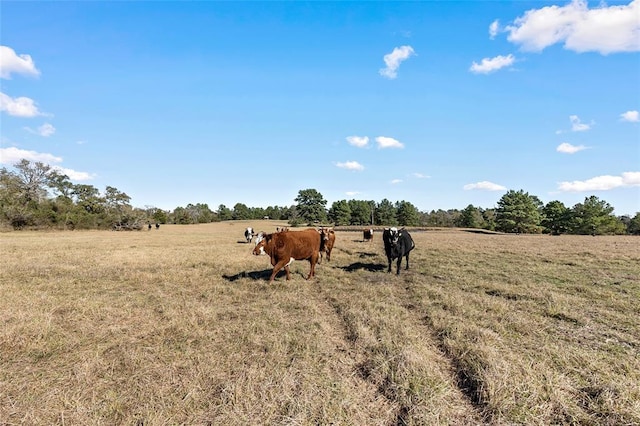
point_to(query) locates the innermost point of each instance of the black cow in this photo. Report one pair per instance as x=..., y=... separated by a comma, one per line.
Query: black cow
x=397, y=243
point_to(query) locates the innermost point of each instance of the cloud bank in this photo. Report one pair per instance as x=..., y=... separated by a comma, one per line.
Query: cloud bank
x=603, y=29
x=601, y=183
x=485, y=186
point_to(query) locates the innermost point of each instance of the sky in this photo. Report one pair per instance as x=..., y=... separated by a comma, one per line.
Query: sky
x=439, y=103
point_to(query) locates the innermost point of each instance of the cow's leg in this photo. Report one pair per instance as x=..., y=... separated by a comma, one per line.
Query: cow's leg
x=407, y=261
x=313, y=260
x=389, y=259
x=278, y=266
x=398, y=263
x=286, y=269
x=274, y=273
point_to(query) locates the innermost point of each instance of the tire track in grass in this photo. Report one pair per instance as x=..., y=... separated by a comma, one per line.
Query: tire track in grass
x=379, y=409
x=468, y=385
x=415, y=375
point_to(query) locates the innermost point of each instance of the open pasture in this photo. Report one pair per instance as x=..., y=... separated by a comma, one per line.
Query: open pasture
x=179, y=326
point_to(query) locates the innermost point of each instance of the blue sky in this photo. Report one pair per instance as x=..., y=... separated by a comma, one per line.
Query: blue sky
x=441, y=103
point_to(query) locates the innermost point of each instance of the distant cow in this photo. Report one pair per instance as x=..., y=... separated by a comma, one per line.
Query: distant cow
x=397, y=243
x=328, y=236
x=285, y=247
x=248, y=234
x=367, y=234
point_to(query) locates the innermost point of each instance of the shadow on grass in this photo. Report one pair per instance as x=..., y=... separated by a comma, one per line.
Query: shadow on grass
x=254, y=275
x=364, y=255
x=263, y=275
x=357, y=266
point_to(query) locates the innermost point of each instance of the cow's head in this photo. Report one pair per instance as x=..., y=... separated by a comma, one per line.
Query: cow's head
x=260, y=245
x=259, y=237
x=324, y=233
x=393, y=235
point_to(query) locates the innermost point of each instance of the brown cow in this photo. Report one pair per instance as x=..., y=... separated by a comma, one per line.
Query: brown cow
x=328, y=236
x=285, y=247
x=367, y=234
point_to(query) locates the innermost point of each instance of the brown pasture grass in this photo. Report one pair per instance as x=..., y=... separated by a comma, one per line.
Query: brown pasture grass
x=180, y=326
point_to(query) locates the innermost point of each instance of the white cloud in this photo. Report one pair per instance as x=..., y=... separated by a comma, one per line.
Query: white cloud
x=601, y=183
x=567, y=148
x=603, y=29
x=351, y=165
x=18, y=107
x=577, y=125
x=45, y=130
x=394, y=59
x=11, y=63
x=485, y=186
x=493, y=29
x=352, y=193
x=630, y=116
x=386, y=142
x=420, y=176
x=396, y=181
x=75, y=175
x=488, y=65
x=12, y=155
x=359, y=141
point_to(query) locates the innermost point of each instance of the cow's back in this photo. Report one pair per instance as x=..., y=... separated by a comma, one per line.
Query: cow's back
x=297, y=244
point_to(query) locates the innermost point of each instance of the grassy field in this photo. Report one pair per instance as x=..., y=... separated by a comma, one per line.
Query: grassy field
x=180, y=326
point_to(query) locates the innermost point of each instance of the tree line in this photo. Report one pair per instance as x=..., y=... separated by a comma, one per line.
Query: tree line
x=34, y=195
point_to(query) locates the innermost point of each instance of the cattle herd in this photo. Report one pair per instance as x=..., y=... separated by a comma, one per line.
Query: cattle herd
x=284, y=246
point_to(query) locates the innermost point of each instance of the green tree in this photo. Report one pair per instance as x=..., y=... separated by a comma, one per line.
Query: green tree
x=241, y=212
x=88, y=198
x=224, y=213
x=117, y=203
x=258, y=213
x=35, y=179
x=633, y=227
x=407, y=214
x=360, y=212
x=595, y=217
x=385, y=213
x=441, y=218
x=340, y=213
x=470, y=217
x=489, y=219
x=556, y=217
x=274, y=212
x=519, y=212
x=61, y=185
x=311, y=206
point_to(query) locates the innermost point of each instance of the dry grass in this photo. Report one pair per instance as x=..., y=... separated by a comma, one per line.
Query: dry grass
x=179, y=326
